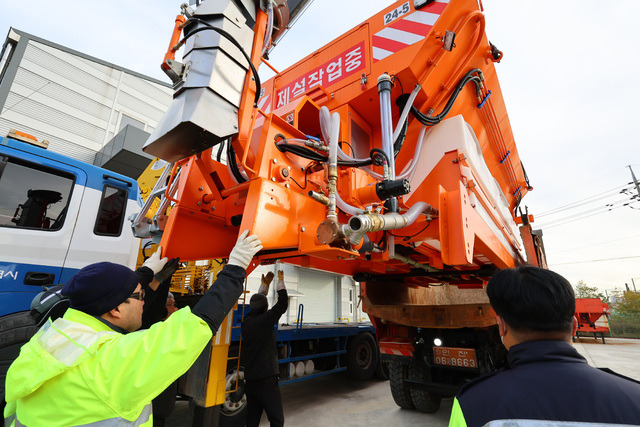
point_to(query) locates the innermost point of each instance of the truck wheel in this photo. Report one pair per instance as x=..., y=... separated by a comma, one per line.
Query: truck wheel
x=399, y=390
x=15, y=330
x=362, y=356
x=422, y=400
x=382, y=370
x=233, y=412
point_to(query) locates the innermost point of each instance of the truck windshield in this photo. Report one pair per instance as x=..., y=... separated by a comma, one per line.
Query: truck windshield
x=32, y=196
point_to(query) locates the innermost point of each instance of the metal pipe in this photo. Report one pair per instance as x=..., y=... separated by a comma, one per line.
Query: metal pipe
x=319, y=197
x=359, y=225
x=384, y=91
x=412, y=262
x=332, y=214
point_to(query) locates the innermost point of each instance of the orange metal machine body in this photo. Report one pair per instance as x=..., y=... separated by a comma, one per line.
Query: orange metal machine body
x=588, y=312
x=422, y=226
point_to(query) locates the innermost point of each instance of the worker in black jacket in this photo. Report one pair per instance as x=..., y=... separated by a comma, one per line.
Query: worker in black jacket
x=548, y=382
x=260, y=354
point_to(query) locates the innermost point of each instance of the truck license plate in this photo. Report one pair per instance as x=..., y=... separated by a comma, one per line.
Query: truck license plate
x=461, y=357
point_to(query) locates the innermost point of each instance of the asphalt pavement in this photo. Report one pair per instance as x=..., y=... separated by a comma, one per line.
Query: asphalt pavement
x=336, y=400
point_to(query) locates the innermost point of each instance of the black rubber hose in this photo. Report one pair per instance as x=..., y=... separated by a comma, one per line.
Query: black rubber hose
x=310, y=154
x=375, y=151
x=430, y=121
x=233, y=164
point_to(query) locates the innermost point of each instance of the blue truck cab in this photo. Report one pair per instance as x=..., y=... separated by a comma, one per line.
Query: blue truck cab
x=57, y=215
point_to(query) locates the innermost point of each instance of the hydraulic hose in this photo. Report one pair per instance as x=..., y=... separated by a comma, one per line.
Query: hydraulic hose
x=431, y=121
x=405, y=112
x=233, y=41
x=267, y=36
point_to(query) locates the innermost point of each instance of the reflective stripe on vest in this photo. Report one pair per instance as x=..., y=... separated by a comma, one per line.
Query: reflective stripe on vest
x=142, y=419
x=54, y=337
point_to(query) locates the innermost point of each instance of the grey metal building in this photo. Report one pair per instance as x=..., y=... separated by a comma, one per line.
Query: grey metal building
x=75, y=101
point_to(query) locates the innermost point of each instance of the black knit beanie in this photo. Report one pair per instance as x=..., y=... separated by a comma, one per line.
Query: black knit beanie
x=101, y=287
x=258, y=301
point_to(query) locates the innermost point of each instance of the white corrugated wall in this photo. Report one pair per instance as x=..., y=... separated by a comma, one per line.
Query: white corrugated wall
x=76, y=103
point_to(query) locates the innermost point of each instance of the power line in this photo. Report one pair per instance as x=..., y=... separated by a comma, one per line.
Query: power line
x=596, y=244
x=597, y=260
x=588, y=213
x=584, y=201
x=571, y=188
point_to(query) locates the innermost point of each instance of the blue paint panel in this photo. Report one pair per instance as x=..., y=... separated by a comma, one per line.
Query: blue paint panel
x=17, y=301
x=94, y=175
x=15, y=296
x=307, y=331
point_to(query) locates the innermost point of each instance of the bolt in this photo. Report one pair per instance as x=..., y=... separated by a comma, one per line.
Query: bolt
x=213, y=208
x=273, y=178
x=199, y=203
x=274, y=161
x=200, y=188
x=285, y=172
x=302, y=229
x=286, y=186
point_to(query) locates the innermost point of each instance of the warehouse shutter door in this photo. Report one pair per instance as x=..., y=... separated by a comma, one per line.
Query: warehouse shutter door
x=319, y=298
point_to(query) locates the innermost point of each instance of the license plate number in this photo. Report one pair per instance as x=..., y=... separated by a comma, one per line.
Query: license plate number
x=449, y=356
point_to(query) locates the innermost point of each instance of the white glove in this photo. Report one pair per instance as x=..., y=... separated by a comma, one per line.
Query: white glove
x=154, y=262
x=280, y=286
x=265, y=281
x=244, y=250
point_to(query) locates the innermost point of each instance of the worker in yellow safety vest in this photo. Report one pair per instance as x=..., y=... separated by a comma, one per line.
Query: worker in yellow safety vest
x=90, y=368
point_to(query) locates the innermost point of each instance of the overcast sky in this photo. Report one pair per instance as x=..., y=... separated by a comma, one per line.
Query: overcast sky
x=567, y=77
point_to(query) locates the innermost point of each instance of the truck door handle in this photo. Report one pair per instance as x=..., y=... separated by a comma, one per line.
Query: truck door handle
x=37, y=278
x=115, y=178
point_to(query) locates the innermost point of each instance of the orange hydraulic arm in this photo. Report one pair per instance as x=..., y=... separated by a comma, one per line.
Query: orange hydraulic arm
x=387, y=151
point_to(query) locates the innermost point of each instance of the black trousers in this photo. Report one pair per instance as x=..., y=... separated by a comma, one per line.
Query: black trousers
x=163, y=404
x=264, y=395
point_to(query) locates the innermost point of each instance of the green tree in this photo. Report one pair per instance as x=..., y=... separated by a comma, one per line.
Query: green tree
x=628, y=305
x=582, y=290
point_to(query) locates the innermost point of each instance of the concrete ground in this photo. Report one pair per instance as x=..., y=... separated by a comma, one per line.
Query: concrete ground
x=338, y=400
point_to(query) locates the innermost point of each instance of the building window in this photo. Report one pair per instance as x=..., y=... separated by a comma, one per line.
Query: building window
x=128, y=120
x=33, y=196
x=113, y=206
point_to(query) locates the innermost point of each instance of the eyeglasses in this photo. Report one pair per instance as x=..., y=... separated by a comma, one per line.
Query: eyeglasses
x=138, y=295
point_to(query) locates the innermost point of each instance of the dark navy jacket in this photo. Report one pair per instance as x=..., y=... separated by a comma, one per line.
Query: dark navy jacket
x=259, y=348
x=548, y=380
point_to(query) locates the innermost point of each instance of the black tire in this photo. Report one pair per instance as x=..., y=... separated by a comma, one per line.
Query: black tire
x=399, y=390
x=15, y=330
x=422, y=400
x=362, y=356
x=382, y=370
x=233, y=412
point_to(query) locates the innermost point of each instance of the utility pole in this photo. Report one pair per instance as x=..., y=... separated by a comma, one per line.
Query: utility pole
x=635, y=181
